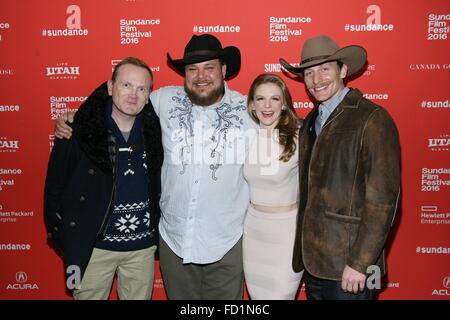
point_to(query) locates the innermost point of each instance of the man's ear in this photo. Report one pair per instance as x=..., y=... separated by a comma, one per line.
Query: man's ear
x=343, y=72
x=224, y=70
x=110, y=85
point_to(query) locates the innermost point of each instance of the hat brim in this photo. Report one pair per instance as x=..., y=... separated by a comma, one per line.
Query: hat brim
x=231, y=56
x=353, y=56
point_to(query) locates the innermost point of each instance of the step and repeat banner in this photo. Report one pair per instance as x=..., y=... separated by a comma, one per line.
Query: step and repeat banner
x=54, y=53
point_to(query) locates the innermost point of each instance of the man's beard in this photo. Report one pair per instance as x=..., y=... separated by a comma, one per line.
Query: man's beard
x=208, y=100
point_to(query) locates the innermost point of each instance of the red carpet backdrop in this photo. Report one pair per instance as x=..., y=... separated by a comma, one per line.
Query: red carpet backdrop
x=54, y=53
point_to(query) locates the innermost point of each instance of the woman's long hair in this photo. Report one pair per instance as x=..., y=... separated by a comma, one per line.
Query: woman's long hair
x=288, y=122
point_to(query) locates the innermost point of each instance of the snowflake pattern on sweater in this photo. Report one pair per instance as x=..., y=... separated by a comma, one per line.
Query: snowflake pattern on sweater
x=128, y=224
x=127, y=221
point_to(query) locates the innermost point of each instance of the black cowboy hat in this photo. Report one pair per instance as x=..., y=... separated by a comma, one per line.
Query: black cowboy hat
x=206, y=47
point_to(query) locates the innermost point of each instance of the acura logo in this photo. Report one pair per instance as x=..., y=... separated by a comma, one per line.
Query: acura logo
x=446, y=282
x=21, y=276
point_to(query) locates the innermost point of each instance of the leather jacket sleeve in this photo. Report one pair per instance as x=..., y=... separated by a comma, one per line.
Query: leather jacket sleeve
x=381, y=161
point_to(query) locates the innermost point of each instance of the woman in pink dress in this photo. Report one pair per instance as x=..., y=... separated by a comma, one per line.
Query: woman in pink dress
x=271, y=170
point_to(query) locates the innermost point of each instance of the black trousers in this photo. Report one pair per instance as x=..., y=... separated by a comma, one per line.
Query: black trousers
x=323, y=289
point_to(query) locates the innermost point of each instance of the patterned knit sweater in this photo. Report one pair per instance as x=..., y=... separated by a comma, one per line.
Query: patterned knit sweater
x=128, y=225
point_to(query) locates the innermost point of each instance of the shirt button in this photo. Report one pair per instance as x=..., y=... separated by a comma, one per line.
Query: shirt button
x=72, y=224
x=91, y=172
x=196, y=181
x=82, y=198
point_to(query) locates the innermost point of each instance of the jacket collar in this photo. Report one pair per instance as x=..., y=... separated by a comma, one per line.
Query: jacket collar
x=350, y=101
x=91, y=128
x=91, y=131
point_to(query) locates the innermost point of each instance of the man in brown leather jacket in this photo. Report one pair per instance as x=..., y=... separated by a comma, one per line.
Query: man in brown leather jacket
x=349, y=177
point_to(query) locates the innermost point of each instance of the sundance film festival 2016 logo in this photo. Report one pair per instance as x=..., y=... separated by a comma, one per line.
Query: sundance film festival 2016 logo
x=73, y=25
x=373, y=22
x=62, y=71
x=438, y=28
x=8, y=145
x=439, y=144
x=434, y=179
x=61, y=105
x=21, y=282
x=132, y=31
x=445, y=288
x=281, y=29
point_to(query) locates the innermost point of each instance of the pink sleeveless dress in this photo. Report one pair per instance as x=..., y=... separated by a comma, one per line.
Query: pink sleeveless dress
x=268, y=238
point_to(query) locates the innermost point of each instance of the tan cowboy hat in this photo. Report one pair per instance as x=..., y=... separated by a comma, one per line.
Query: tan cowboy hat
x=206, y=47
x=322, y=49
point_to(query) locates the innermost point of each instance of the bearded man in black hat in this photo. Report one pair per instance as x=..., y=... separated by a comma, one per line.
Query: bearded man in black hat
x=349, y=177
x=204, y=196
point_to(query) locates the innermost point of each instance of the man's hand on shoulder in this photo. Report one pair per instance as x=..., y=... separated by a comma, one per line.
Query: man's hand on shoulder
x=62, y=129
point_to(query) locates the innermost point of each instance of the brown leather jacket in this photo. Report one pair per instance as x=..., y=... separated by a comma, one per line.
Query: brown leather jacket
x=349, y=189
